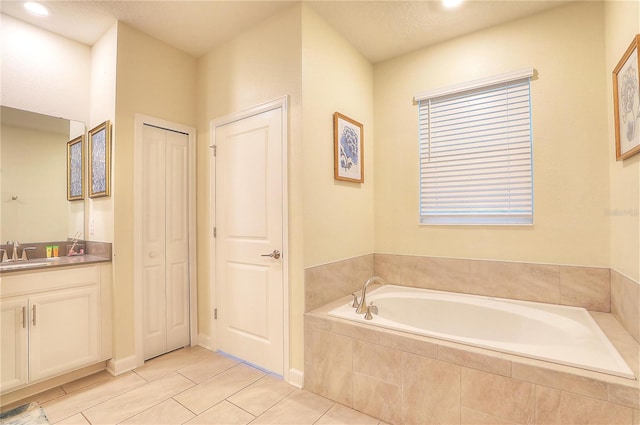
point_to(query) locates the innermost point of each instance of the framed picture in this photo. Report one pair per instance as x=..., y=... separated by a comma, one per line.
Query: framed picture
x=100, y=160
x=626, y=103
x=348, y=143
x=75, y=169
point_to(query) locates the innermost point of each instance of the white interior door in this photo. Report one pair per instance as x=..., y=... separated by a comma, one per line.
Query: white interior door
x=249, y=242
x=165, y=241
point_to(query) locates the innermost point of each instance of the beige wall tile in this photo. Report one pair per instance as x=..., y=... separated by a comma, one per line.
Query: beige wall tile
x=356, y=330
x=445, y=274
x=625, y=303
x=625, y=395
x=377, y=398
x=409, y=343
x=496, y=395
x=523, y=281
x=473, y=417
x=377, y=361
x=560, y=380
x=430, y=391
x=561, y=408
x=330, y=374
x=329, y=282
x=587, y=287
x=469, y=358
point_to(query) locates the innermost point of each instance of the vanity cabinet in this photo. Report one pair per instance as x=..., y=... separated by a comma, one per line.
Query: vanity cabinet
x=51, y=324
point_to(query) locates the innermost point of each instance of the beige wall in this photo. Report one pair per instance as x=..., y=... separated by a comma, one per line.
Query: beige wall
x=571, y=180
x=338, y=216
x=154, y=79
x=622, y=20
x=258, y=66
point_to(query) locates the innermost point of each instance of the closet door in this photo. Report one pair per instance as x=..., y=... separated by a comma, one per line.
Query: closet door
x=165, y=241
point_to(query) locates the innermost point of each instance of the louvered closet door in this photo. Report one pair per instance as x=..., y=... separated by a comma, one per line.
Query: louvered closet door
x=165, y=241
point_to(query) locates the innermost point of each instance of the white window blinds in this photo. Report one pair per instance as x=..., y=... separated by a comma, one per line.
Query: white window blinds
x=476, y=152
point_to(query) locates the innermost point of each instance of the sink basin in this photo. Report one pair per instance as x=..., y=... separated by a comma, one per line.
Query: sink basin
x=27, y=264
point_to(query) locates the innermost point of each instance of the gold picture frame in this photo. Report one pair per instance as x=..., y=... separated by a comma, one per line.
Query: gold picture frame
x=626, y=102
x=348, y=149
x=75, y=169
x=100, y=160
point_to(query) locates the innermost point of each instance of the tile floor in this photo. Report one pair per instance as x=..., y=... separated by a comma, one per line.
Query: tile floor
x=191, y=386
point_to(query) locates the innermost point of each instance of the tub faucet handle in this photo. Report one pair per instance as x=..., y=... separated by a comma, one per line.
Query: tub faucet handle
x=355, y=302
x=368, y=315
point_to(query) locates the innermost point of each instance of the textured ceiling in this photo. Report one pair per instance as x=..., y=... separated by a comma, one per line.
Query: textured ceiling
x=378, y=29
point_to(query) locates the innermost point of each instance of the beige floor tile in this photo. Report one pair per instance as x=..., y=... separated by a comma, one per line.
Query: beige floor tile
x=171, y=362
x=210, y=392
x=342, y=415
x=39, y=398
x=96, y=378
x=88, y=397
x=167, y=412
x=223, y=413
x=299, y=408
x=74, y=420
x=262, y=395
x=213, y=364
x=137, y=400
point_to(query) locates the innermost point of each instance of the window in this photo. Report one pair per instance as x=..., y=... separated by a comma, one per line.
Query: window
x=476, y=152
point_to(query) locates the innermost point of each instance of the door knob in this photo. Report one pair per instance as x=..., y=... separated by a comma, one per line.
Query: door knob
x=275, y=254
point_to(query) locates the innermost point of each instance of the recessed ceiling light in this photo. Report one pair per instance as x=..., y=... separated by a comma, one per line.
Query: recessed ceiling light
x=36, y=8
x=450, y=4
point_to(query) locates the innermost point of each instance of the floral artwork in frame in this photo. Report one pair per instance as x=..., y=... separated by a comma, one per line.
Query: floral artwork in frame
x=100, y=160
x=348, y=140
x=75, y=169
x=626, y=102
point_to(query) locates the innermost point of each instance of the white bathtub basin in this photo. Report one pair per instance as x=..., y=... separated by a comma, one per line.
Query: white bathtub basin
x=560, y=334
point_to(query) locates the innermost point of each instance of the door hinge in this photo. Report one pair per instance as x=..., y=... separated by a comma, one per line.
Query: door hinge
x=215, y=150
x=215, y=232
x=215, y=314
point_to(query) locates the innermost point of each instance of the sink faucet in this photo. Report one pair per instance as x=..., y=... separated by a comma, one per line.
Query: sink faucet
x=14, y=255
x=362, y=305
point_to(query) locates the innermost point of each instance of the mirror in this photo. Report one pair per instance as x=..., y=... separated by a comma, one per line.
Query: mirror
x=33, y=178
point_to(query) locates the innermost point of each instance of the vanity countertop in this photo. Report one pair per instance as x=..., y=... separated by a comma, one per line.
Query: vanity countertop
x=48, y=263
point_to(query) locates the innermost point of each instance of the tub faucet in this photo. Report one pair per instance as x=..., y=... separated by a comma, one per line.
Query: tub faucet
x=362, y=306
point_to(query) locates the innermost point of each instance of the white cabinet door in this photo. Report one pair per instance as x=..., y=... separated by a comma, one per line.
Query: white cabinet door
x=14, y=337
x=64, y=331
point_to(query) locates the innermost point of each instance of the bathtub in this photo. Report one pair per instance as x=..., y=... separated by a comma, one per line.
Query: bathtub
x=560, y=334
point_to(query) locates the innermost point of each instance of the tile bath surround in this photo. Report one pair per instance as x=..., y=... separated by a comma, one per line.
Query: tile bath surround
x=374, y=370
x=403, y=379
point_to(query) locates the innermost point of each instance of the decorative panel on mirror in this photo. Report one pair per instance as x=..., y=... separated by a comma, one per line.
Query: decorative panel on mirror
x=33, y=178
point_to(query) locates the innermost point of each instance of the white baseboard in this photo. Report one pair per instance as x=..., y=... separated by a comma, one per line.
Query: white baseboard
x=118, y=367
x=296, y=378
x=205, y=341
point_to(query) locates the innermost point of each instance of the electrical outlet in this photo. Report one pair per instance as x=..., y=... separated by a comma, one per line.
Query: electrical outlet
x=91, y=227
